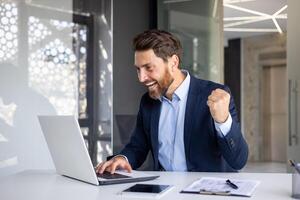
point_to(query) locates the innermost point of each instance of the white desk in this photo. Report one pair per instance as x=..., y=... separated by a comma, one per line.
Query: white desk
x=39, y=185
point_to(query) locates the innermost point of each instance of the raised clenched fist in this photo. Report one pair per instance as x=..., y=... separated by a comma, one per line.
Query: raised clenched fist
x=218, y=103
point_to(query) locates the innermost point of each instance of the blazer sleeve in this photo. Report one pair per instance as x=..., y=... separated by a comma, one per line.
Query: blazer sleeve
x=138, y=147
x=233, y=146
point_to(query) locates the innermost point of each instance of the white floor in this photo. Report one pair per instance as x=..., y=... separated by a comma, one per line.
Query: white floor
x=265, y=167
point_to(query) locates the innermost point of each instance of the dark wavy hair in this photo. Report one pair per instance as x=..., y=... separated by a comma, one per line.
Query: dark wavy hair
x=163, y=43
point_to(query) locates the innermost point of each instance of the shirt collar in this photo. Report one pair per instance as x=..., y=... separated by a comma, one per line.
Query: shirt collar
x=183, y=88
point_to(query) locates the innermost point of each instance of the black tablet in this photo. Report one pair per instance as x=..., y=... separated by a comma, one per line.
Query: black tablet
x=146, y=190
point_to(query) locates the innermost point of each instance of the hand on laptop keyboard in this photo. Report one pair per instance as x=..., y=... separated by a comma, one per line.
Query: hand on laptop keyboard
x=108, y=175
x=113, y=164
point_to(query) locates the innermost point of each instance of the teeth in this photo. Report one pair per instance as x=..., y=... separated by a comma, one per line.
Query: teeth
x=150, y=84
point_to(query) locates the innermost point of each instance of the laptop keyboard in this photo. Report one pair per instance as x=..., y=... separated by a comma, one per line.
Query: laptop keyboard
x=108, y=175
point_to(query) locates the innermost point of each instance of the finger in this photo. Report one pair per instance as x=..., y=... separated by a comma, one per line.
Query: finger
x=108, y=169
x=210, y=103
x=219, y=97
x=212, y=106
x=114, y=166
x=127, y=167
x=97, y=168
x=104, y=166
x=215, y=92
x=220, y=91
x=213, y=97
x=101, y=168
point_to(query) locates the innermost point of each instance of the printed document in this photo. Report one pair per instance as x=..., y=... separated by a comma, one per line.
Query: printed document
x=211, y=185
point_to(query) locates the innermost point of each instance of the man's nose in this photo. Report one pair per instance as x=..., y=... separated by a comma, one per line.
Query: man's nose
x=143, y=77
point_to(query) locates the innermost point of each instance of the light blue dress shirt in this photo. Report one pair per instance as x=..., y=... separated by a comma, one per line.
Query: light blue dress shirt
x=171, y=153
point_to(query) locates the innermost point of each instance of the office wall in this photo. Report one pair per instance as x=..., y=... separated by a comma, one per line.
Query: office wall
x=129, y=18
x=27, y=89
x=293, y=62
x=254, y=51
x=232, y=71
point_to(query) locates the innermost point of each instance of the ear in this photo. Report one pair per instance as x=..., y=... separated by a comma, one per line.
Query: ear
x=174, y=62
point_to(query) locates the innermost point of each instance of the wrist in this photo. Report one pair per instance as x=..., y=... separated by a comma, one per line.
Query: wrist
x=120, y=156
x=223, y=120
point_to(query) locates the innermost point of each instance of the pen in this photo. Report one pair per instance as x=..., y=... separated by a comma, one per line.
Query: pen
x=294, y=165
x=231, y=184
x=214, y=192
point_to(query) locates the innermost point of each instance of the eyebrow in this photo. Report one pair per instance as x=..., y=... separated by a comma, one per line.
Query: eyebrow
x=144, y=65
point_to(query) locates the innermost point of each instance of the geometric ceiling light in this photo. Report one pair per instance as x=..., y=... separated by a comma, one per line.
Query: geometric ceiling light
x=237, y=1
x=256, y=17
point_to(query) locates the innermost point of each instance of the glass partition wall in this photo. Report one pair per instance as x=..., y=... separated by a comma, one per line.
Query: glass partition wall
x=38, y=75
x=199, y=25
x=54, y=60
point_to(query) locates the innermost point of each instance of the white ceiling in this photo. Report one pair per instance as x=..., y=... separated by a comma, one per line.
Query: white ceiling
x=260, y=12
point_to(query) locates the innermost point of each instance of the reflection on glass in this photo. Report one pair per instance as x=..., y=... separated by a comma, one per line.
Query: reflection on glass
x=8, y=31
x=60, y=25
x=80, y=47
x=102, y=79
x=103, y=150
x=7, y=112
x=56, y=70
x=103, y=50
x=84, y=131
x=2, y=138
x=103, y=18
x=86, y=143
x=108, y=148
x=104, y=127
x=52, y=73
x=37, y=31
x=9, y=162
x=200, y=37
x=100, y=129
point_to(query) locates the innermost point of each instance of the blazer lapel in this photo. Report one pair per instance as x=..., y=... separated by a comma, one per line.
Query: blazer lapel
x=154, y=130
x=193, y=99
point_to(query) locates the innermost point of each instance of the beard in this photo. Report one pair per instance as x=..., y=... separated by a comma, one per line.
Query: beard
x=161, y=86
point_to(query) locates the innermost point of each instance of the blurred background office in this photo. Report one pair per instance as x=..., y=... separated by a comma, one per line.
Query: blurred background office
x=74, y=57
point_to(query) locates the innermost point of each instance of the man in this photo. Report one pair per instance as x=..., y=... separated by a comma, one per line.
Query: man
x=188, y=124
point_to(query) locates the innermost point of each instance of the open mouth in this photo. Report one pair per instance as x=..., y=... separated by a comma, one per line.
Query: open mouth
x=151, y=85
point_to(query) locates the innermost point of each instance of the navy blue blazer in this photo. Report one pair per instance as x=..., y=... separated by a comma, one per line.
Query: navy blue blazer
x=205, y=150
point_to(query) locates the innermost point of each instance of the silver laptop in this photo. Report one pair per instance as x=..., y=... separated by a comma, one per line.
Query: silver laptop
x=70, y=155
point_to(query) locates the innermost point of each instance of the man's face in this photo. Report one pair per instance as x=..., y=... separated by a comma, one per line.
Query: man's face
x=153, y=72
